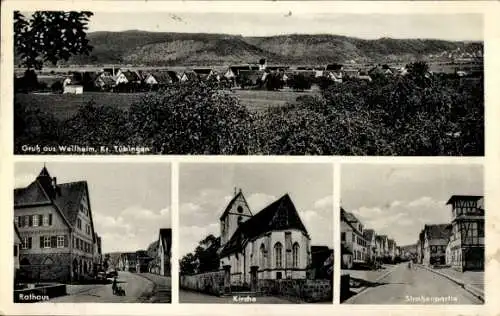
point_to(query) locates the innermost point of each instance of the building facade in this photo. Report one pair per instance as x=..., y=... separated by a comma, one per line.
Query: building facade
x=371, y=244
x=466, y=244
x=435, y=242
x=272, y=244
x=56, y=229
x=352, y=237
x=164, y=251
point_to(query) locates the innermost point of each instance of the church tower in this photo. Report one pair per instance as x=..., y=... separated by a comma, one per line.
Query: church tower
x=236, y=213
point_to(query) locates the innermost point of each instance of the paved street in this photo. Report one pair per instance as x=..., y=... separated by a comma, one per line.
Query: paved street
x=195, y=297
x=137, y=289
x=413, y=286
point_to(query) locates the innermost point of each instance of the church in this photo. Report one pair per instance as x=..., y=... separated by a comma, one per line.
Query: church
x=270, y=244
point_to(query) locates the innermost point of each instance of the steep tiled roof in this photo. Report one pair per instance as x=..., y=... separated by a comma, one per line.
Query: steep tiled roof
x=278, y=215
x=368, y=234
x=131, y=75
x=161, y=77
x=438, y=231
x=31, y=195
x=65, y=197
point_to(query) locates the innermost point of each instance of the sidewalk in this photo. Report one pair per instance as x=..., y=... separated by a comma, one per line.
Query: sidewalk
x=162, y=292
x=472, y=281
x=361, y=279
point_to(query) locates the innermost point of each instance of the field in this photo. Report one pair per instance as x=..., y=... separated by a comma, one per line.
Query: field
x=63, y=106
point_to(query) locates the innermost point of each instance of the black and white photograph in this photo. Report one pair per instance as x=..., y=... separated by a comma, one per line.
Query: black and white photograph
x=256, y=233
x=92, y=232
x=412, y=234
x=258, y=82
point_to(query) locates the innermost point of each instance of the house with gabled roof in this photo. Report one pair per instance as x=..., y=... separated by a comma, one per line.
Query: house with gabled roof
x=270, y=244
x=436, y=238
x=352, y=236
x=56, y=227
x=128, y=262
x=371, y=244
x=127, y=76
x=161, y=77
x=391, y=244
x=161, y=263
x=189, y=76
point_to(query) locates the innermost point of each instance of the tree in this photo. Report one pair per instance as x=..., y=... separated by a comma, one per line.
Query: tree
x=300, y=82
x=203, y=259
x=50, y=36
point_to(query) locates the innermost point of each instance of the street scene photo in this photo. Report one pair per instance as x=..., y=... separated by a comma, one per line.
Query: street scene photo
x=412, y=234
x=256, y=233
x=256, y=81
x=92, y=232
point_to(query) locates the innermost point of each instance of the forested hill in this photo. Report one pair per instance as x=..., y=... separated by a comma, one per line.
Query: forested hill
x=152, y=48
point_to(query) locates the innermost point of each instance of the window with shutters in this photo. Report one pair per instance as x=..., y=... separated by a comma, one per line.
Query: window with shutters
x=278, y=255
x=295, y=255
x=35, y=221
x=45, y=220
x=46, y=241
x=60, y=241
x=26, y=221
x=24, y=244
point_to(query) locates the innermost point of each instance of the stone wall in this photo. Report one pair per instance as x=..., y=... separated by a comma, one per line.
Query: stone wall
x=210, y=282
x=298, y=290
x=58, y=270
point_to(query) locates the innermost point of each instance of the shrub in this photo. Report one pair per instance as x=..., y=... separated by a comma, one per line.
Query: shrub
x=192, y=119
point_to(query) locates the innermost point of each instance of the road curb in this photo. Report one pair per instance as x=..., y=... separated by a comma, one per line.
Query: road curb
x=366, y=287
x=469, y=288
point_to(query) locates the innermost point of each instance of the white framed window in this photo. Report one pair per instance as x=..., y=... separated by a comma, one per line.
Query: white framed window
x=46, y=241
x=79, y=223
x=60, y=241
x=45, y=220
x=35, y=221
x=26, y=221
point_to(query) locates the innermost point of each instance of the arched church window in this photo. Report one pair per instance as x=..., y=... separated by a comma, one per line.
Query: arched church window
x=262, y=256
x=278, y=256
x=295, y=255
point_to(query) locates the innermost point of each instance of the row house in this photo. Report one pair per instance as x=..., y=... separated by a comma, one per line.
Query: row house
x=459, y=244
x=127, y=262
x=371, y=244
x=391, y=245
x=55, y=224
x=161, y=262
x=436, y=239
x=352, y=237
x=382, y=246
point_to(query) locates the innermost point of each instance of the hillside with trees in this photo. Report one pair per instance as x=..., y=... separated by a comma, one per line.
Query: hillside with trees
x=166, y=49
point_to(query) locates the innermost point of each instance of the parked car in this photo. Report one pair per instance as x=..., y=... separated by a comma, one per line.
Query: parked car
x=101, y=276
x=111, y=274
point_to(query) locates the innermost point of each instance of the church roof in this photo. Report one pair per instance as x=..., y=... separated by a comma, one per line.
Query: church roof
x=230, y=204
x=278, y=215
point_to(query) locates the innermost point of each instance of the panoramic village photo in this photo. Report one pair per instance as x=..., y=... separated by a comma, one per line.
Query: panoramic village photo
x=92, y=232
x=255, y=82
x=412, y=234
x=256, y=233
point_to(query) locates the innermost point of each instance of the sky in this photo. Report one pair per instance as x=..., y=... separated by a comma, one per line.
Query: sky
x=397, y=200
x=368, y=26
x=130, y=202
x=206, y=189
